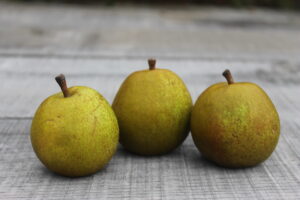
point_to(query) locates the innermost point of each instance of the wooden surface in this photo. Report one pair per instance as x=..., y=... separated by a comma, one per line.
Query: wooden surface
x=99, y=47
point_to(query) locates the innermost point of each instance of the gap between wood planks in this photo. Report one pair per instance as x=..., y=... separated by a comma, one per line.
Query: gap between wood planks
x=16, y=118
x=135, y=57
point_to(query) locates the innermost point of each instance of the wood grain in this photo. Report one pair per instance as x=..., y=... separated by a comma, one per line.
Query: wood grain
x=28, y=81
x=183, y=174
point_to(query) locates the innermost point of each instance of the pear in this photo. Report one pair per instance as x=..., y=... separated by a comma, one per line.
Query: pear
x=235, y=124
x=153, y=109
x=74, y=132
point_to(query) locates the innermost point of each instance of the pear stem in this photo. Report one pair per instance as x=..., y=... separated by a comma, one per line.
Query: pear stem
x=151, y=63
x=228, y=76
x=61, y=80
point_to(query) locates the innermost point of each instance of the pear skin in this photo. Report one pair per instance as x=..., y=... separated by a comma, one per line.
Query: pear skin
x=153, y=109
x=75, y=132
x=235, y=124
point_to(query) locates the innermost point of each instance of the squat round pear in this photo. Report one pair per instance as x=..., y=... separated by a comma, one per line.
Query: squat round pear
x=74, y=132
x=235, y=124
x=153, y=108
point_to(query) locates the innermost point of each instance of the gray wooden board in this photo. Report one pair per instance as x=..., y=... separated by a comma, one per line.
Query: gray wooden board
x=28, y=81
x=182, y=174
x=98, y=47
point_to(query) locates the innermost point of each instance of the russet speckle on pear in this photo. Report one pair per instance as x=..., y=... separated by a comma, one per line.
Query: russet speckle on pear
x=235, y=124
x=74, y=132
x=153, y=109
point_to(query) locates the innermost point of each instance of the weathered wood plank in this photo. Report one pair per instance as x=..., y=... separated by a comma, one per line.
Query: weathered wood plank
x=28, y=81
x=183, y=174
x=140, y=31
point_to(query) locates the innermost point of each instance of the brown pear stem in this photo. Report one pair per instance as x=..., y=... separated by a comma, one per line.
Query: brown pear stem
x=228, y=76
x=151, y=63
x=61, y=80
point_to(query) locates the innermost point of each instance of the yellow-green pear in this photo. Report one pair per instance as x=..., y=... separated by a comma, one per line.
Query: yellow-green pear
x=235, y=124
x=74, y=132
x=153, y=109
